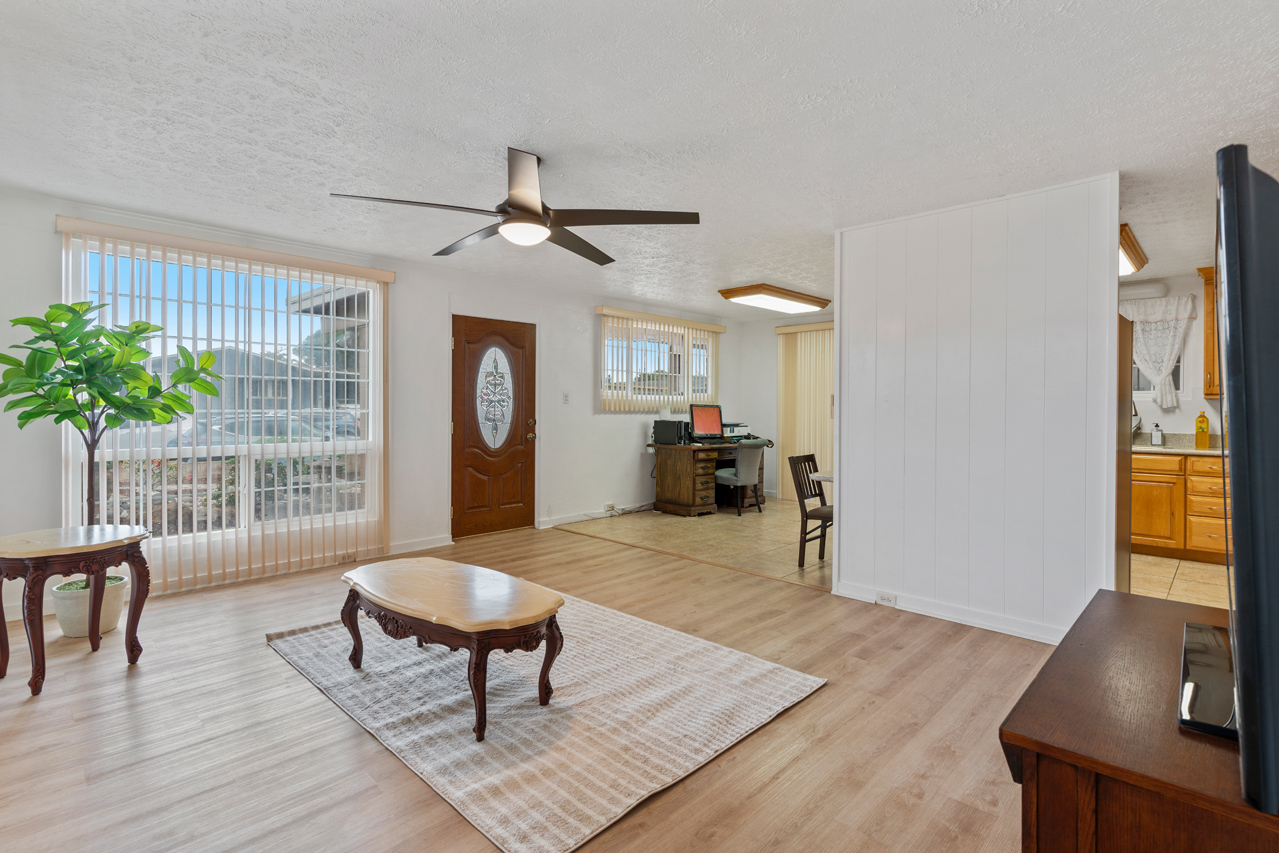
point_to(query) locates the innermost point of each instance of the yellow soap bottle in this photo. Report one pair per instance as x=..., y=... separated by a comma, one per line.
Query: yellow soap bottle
x=1201, y=432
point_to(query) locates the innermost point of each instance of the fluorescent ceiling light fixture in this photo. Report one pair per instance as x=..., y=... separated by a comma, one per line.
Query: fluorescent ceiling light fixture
x=774, y=298
x=524, y=230
x=1131, y=257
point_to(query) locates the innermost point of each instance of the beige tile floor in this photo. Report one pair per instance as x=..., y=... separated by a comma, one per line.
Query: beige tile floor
x=764, y=543
x=1179, y=580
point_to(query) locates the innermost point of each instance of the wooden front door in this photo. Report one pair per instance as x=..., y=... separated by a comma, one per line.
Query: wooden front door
x=494, y=425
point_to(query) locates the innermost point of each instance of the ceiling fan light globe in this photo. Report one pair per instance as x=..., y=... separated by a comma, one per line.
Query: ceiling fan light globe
x=524, y=231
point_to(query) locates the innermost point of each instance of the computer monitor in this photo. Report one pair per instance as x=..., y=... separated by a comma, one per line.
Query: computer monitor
x=706, y=422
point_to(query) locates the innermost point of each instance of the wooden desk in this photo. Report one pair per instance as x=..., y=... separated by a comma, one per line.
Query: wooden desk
x=1095, y=745
x=686, y=478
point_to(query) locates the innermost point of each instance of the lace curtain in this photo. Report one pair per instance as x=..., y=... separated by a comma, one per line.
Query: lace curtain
x=1158, y=335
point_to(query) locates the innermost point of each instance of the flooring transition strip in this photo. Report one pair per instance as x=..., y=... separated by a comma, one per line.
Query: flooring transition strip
x=696, y=559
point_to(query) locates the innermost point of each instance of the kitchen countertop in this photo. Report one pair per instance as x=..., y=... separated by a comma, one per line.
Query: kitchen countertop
x=1179, y=443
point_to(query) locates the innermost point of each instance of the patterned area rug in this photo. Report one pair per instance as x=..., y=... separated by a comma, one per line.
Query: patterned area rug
x=637, y=707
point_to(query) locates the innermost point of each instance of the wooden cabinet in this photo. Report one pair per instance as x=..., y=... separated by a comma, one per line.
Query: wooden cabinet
x=1095, y=745
x=1212, y=373
x=686, y=478
x=1179, y=506
x=1159, y=510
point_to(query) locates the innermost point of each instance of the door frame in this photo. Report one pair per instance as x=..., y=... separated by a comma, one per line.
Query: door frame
x=461, y=305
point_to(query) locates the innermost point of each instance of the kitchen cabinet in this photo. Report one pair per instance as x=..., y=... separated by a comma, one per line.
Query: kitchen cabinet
x=1179, y=506
x=1212, y=372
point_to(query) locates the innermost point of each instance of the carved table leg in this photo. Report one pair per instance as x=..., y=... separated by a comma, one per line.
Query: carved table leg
x=554, y=642
x=141, y=588
x=97, y=583
x=478, y=672
x=350, y=618
x=4, y=636
x=33, y=618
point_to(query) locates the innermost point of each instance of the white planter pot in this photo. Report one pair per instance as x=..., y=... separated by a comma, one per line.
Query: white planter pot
x=72, y=608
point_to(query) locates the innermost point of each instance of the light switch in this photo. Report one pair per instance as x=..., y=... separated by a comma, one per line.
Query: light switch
x=566, y=398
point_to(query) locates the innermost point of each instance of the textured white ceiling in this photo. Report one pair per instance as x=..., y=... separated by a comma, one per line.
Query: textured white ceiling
x=779, y=122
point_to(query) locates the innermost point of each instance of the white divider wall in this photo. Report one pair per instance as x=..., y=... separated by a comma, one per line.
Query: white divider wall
x=977, y=380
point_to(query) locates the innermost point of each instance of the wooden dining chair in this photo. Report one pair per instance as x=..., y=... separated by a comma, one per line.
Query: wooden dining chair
x=806, y=489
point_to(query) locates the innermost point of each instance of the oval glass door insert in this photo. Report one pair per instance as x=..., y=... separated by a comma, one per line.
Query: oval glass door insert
x=493, y=399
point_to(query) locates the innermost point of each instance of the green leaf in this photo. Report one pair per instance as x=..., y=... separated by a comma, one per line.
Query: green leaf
x=187, y=359
x=10, y=360
x=184, y=376
x=160, y=416
x=24, y=402
x=208, y=359
x=34, y=322
x=113, y=420
x=30, y=415
x=179, y=401
x=205, y=387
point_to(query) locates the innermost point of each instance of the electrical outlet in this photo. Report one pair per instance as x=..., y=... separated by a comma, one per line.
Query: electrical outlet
x=886, y=598
x=566, y=398
x=610, y=508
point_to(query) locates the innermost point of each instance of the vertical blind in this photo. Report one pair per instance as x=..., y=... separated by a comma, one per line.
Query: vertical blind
x=283, y=469
x=805, y=395
x=650, y=362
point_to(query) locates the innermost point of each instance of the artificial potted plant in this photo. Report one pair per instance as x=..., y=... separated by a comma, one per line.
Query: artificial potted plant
x=91, y=377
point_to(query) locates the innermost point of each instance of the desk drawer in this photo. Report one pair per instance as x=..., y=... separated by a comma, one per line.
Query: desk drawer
x=704, y=466
x=1211, y=507
x=705, y=497
x=1158, y=463
x=699, y=455
x=704, y=481
x=1205, y=534
x=1209, y=487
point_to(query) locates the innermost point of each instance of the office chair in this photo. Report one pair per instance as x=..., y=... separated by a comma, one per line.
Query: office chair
x=749, y=452
x=806, y=488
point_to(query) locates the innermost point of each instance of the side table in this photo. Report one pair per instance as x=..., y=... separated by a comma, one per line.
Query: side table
x=90, y=551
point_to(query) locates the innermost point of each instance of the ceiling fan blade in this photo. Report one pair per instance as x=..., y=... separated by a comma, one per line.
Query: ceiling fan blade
x=524, y=190
x=469, y=240
x=419, y=204
x=565, y=218
x=572, y=242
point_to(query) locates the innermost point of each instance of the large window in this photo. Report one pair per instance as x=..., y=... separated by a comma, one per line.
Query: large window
x=282, y=469
x=1142, y=385
x=650, y=362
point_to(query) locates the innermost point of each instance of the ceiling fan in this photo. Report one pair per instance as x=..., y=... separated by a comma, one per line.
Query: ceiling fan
x=526, y=221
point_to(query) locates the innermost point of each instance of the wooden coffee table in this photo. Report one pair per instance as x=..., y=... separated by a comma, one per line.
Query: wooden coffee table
x=67, y=551
x=459, y=606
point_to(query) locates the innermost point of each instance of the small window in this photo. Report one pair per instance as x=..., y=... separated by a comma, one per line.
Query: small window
x=1141, y=383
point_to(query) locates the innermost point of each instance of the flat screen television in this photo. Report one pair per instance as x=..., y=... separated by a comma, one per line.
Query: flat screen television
x=1247, y=278
x=706, y=422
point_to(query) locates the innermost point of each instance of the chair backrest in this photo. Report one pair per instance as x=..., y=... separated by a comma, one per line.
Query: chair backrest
x=749, y=452
x=806, y=488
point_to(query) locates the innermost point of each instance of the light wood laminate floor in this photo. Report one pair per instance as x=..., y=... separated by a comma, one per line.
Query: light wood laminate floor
x=758, y=543
x=214, y=743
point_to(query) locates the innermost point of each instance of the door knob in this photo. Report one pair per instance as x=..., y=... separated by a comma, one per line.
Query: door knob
x=530, y=436
x=532, y=421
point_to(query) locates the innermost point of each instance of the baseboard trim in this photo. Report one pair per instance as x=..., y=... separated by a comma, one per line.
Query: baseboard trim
x=547, y=523
x=420, y=544
x=963, y=615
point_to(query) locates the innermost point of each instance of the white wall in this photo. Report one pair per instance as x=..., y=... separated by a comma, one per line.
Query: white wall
x=977, y=377
x=585, y=459
x=1190, y=400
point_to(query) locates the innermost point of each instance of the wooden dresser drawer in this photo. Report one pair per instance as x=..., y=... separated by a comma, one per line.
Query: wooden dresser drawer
x=699, y=455
x=1158, y=463
x=704, y=481
x=1201, y=505
x=1206, y=466
x=704, y=498
x=1209, y=487
x=704, y=466
x=1205, y=534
